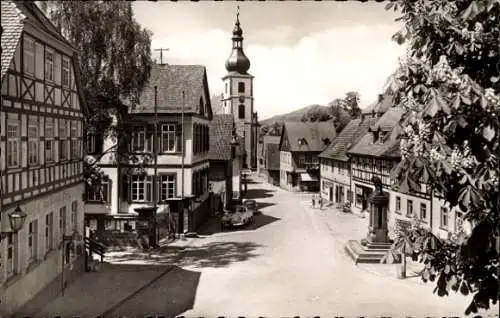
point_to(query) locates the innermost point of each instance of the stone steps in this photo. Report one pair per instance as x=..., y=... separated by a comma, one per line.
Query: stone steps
x=372, y=253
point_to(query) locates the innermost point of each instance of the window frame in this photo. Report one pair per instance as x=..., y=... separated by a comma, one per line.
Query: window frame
x=139, y=134
x=241, y=87
x=32, y=241
x=171, y=134
x=11, y=265
x=33, y=142
x=49, y=232
x=29, y=55
x=74, y=142
x=241, y=111
x=409, y=203
x=398, y=204
x=66, y=70
x=49, y=140
x=13, y=143
x=49, y=64
x=63, y=139
x=136, y=182
x=98, y=197
x=62, y=220
x=167, y=186
x=444, y=215
x=423, y=207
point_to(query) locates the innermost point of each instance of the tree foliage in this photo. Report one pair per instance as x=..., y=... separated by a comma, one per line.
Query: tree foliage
x=449, y=86
x=114, y=64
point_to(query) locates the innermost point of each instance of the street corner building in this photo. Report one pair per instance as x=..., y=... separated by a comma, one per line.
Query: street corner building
x=181, y=109
x=226, y=161
x=300, y=145
x=41, y=162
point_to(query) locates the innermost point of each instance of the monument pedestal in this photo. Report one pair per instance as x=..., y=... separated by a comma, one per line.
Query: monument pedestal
x=377, y=243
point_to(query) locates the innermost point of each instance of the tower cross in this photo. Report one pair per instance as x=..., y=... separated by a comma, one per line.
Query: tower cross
x=161, y=54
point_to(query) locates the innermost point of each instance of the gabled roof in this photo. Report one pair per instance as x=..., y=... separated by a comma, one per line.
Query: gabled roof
x=171, y=82
x=348, y=137
x=220, y=135
x=12, y=29
x=308, y=136
x=273, y=156
x=390, y=147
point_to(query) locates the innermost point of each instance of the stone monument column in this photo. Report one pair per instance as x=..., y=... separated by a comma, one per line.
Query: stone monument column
x=379, y=202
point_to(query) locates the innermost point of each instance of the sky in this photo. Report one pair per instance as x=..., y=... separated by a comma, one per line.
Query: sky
x=301, y=53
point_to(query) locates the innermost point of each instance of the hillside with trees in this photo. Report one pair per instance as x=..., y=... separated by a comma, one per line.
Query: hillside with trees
x=339, y=110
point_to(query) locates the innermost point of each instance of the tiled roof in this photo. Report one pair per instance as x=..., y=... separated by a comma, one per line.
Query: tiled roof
x=271, y=152
x=171, y=82
x=380, y=106
x=390, y=147
x=221, y=129
x=347, y=138
x=314, y=134
x=273, y=156
x=12, y=28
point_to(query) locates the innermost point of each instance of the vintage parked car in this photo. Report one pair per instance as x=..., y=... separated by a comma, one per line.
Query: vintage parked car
x=347, y=207
x=240, y=216
x=252, y=206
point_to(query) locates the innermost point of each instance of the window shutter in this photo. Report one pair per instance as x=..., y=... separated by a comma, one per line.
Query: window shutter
x=178, y=131
x=158, y=189
x=109, y=191
x=149, y=190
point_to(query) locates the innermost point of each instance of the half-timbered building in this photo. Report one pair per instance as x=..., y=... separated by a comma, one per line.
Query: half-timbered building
x=376, y=153
x=300, y=145
x=334, y=164
x=183, y=116
x=41, y=163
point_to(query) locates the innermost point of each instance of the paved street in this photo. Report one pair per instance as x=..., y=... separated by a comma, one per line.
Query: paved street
x=289, y=263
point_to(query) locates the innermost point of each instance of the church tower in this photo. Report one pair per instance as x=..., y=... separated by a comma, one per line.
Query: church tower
x=237, y=98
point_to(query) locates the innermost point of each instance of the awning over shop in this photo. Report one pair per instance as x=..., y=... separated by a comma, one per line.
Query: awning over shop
x=307, y=177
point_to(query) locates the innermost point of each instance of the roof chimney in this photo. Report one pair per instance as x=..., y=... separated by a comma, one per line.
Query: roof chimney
x=380, y=97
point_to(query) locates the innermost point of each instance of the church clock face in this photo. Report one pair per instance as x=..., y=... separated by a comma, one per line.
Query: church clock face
x=242, y=99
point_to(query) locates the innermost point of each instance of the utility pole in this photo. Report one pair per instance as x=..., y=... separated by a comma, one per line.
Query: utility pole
x=161, y=54
x=182, y=159
x=155, y=178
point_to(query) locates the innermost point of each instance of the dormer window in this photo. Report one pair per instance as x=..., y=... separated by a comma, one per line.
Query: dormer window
x=382, y=136
x=326, y=141
x=375, y=135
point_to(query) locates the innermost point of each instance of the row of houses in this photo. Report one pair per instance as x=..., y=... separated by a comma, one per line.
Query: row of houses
x=312, y=157
x=43, y=146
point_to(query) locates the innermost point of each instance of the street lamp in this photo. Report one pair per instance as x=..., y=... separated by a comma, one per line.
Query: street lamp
x=16, y=220
x=75, y=236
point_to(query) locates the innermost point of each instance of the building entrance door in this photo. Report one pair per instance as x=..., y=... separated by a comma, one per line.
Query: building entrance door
x=331, y=194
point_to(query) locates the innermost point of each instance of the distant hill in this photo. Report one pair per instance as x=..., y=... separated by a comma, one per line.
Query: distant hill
x=295, y=115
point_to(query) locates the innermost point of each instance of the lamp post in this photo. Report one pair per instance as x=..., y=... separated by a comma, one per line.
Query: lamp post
x=75, y=236
x=16, y=220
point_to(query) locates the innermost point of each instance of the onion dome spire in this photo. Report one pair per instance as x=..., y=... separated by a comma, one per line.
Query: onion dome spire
x=237, y=61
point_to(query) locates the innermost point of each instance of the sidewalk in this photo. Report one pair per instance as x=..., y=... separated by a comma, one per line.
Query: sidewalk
x=94, y=293
x=349, y=226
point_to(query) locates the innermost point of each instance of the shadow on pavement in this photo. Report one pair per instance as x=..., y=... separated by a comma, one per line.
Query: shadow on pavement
x=213, y=225
x=263, y=205
x=210, y=255
x=167, y=296
x=258, y=194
